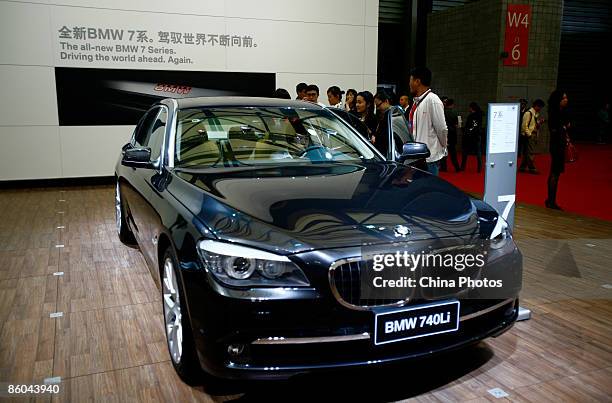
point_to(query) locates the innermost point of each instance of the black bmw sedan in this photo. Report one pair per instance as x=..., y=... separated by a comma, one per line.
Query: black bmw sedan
x=263, y=222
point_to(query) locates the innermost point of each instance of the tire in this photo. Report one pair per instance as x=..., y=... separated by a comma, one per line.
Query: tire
x=125, y=234
x=179, y=336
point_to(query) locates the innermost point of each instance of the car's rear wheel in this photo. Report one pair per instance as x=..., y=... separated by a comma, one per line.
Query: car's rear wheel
x=178, y=328
x=125, y=235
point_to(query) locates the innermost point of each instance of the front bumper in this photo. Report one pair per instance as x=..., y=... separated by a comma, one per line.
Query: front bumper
x=299, y=355
x=279, y=339
x=278, y=333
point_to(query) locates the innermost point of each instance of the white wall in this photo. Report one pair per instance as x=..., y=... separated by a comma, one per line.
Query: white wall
x=325, y=42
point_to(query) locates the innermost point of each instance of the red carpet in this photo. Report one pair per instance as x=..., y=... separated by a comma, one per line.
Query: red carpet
x=584, y=188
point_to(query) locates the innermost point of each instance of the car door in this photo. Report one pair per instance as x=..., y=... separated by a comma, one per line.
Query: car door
x=150, y=134
x=397, y=131
x=129, y=178
x=400, y=132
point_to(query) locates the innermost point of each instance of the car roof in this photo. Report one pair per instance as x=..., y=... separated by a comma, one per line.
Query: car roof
x=208, y=102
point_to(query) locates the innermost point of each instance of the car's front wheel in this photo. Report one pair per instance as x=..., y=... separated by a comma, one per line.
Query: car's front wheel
x=177, y=326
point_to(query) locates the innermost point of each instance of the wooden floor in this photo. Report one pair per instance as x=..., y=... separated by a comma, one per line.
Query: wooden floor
x=109, y=343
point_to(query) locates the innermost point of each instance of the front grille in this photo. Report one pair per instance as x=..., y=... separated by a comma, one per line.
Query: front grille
x=346, y=278
x=345, y=281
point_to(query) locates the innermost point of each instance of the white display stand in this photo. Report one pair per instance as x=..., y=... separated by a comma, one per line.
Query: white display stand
x=503, y=125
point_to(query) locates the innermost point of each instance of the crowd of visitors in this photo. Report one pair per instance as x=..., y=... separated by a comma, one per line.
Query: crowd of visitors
x=433, y=120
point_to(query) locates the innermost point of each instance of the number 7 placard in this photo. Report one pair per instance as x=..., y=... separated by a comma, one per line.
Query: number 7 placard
x=518, y=20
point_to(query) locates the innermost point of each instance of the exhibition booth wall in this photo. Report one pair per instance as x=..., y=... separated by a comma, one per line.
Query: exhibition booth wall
x=470, y=65
x=67, y=67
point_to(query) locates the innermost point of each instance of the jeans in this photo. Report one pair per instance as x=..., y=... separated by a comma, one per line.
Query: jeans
x=433, y=168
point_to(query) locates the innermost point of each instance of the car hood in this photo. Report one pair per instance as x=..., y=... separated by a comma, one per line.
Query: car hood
x=291, y=209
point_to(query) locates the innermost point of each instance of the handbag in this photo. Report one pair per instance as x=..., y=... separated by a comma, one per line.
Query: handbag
x=571, y=153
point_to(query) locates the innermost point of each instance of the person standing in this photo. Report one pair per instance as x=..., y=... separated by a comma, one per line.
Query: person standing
x=380, y=137
x=472, y=136
x=281, y=93
x=530, y=125
x=364, y=106
x=452, y=123
x=404, y=102
x=382, y=102
x=524, y=107
x=558, y=125
x=312, y=95
x=349, y=102
x=426, y=118
x=300, y=89
x=334, y=96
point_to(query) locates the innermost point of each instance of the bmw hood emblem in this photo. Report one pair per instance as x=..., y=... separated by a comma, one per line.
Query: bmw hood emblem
x=401, y=231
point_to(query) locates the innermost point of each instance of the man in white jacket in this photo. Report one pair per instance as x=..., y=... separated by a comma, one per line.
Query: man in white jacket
x=426, y=117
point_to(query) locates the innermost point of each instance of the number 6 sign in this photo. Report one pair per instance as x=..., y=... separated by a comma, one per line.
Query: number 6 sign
x=518, y=19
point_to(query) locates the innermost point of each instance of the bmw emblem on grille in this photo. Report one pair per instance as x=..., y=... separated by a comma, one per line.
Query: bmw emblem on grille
x=401, y=231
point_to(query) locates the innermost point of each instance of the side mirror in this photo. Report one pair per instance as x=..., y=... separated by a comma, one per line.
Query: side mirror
x=414, y=151
x=137, y=158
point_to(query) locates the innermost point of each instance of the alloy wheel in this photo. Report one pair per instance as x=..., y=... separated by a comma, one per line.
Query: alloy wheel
x=172, y=312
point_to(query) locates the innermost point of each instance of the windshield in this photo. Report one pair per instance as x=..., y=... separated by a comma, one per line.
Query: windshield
x=242, y=136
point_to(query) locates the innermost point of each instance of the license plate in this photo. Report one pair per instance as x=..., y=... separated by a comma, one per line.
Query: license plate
x=416, y=321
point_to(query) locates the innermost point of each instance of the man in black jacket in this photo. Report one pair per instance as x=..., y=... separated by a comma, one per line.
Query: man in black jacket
x=452, y=122
x=382, y=103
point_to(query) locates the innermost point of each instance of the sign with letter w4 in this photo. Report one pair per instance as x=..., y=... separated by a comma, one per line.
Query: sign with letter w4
x=518, y=20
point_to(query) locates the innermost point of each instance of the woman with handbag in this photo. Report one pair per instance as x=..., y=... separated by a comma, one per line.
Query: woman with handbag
x=558, y=125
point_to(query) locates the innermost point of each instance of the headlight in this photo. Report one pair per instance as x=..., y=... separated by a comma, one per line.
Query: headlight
x=501, y=234
x=240, y=266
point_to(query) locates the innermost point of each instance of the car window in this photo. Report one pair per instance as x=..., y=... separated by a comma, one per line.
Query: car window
x=401, y=133
x=158, y=130
x=142, y=133
x=254, y=136
x=353, y=120
x=400, y=125
x=151, y=130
